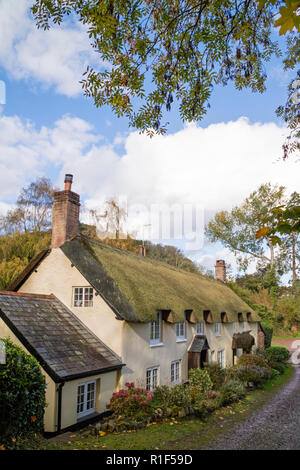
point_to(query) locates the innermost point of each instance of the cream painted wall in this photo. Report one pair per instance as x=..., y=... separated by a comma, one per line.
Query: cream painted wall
x=131, y=341
x=138, y=355
x=105, y=384
x=56, y=276
x=51, y=395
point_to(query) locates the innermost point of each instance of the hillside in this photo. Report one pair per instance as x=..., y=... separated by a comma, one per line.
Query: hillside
x=18, y=249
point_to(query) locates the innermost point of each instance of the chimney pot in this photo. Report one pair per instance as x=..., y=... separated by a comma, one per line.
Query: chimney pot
x=68, y=182
x=220, y=270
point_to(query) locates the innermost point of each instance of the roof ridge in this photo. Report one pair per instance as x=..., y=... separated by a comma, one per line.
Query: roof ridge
x=145, y=259
x=24, y=294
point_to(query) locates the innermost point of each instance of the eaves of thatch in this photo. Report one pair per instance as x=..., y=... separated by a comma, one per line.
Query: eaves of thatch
x=137, y=288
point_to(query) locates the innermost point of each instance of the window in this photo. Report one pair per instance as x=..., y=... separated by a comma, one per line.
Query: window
x=200, y=328
x=155, y=331
x=221, y=358
x=86, y=397
x=175, y=372
x=180, y=331
x=151, y=378
x=235, y=327
x=83, y=296
x=217, y=329
x=244, y=326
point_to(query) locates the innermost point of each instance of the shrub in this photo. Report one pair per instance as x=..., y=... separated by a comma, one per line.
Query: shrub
x=200, y=378
x=275, y=373
x=279, y=367
x=22, y=395
x=131, y=401
x=216, y=373
x=253, y=359
x=268, y=329
x=253, y=374
x=180, y=396
x=165, y=397
x=231, y=391
x=277, y=354
x=161, y=397
x=205, y=406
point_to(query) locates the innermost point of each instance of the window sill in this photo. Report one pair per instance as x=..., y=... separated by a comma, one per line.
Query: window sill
x=183, y=340
x=155, y=345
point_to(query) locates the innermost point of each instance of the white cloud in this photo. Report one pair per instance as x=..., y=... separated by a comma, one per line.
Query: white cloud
x=57, y=57
x=215, y=167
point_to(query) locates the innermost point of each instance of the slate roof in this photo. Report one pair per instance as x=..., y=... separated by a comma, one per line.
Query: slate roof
x=62, y=344
x=199, y=344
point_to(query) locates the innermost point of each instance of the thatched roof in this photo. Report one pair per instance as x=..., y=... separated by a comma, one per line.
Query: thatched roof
x=137, y=287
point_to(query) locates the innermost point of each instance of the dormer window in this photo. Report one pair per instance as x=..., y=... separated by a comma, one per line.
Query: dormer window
x=155, y=331
x=83, y=296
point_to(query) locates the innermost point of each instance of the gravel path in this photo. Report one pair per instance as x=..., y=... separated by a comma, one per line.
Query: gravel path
x=276, y=425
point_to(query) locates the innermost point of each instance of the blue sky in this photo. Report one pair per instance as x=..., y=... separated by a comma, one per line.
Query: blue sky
x=48, y=128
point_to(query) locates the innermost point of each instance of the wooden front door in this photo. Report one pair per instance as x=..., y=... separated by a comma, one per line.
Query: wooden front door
x=193, y=360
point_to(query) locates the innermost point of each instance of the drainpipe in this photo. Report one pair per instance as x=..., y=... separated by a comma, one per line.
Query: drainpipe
x=59, y=406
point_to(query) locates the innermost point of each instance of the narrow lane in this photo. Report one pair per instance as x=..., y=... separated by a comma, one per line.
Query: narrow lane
x=276, y=425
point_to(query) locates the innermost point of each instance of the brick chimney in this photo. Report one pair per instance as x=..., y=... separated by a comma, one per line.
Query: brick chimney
x=65, y=214
x=142, y=250
x=220, y=270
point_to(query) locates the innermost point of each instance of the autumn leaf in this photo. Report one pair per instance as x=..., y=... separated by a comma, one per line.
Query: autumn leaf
x=262, y=232
x=33, y=419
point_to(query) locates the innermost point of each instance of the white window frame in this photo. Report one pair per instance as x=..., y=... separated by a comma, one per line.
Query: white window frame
x=200, y=326
x=152, y=373
x=175, y=372
x=217, y=329
x=180, y=329
x=244, y=326
x=87, y=410
x=235, y=327
x=221, y=362
x=84, y=303
x=156, y=331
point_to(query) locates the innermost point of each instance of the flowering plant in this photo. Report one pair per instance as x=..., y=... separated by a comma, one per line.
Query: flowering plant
x=131, y=401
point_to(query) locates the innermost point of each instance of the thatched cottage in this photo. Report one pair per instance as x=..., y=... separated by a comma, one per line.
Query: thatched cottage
x=96, y=317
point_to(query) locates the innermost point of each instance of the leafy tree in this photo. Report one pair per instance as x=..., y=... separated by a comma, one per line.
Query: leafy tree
x=16, y=251
x=289, y=310
x=237, y=229
x=177, y=49
x=282, y=227
x=33, y=209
